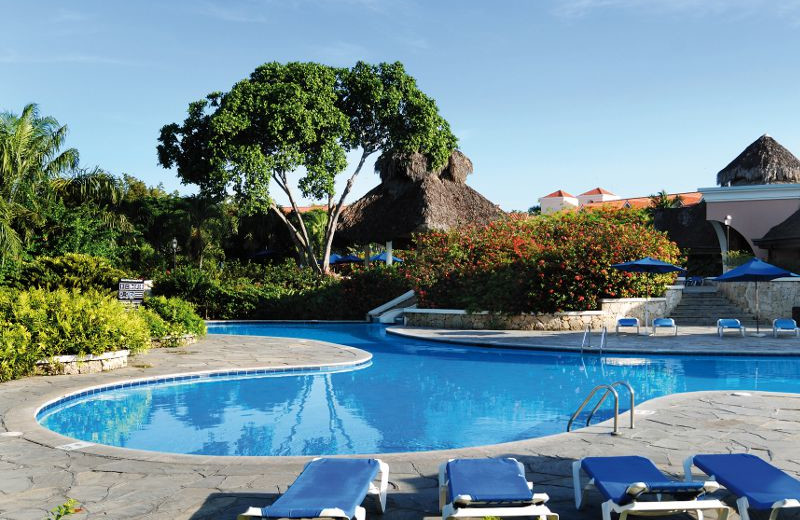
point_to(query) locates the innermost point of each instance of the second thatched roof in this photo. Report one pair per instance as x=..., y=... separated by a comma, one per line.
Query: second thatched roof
x=765, y=161
x=413, y=199
x=785, y=234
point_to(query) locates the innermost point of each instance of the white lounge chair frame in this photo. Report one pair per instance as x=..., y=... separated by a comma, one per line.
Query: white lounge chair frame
x=673, y=326
x=721, y=329
x=654, y=508
x=616, y=330
x=537, y=509
x=379, y=491
x=742, y=504
x=776, y=331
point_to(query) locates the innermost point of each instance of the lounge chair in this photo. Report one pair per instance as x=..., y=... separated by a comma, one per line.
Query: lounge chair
x=475, y=488
x=329, y=488
x=758, y=484
x=784, y=325
x=624, y=481
x=627, y=322
x=729, y=324
x=660, y=323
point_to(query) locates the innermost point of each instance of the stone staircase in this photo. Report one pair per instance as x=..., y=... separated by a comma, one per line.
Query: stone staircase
x=702, y=306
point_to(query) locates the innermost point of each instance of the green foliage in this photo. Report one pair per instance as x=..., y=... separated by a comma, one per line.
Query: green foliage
x=283, y=291
x=69, y=507
x=558, y=262
x=18, y=355
x=63, y=322
x=302, y=117
x=30, y=156
x=179, y=314
x=72, y=270
x=737, y=258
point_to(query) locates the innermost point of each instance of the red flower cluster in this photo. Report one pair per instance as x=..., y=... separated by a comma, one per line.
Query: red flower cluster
x=539, y=264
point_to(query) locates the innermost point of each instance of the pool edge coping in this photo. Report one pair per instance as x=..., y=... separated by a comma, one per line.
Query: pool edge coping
x=407, y=332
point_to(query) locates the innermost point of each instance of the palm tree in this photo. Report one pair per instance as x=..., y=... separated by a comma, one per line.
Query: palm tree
x=662, y=200
x=30, y=156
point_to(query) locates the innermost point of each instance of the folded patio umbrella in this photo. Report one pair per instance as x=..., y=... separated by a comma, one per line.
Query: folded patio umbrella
x=755, y=271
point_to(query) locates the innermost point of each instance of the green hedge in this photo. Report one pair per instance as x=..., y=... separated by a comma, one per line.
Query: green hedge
x=72, y=271
x=39, y=324
x=177, y=314
x=283, y=292
x=543, y=264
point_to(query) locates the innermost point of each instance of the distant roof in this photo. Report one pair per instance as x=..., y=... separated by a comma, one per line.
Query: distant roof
x=689, y=199
x=304, y=209
x=597, y=191
x=787, y=232
x=765, y=161
x=559, y=193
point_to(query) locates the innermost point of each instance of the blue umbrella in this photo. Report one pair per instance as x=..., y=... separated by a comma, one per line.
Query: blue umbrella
x=754, y=271
x=647, y=265
x=382, y=258
x=348, y=259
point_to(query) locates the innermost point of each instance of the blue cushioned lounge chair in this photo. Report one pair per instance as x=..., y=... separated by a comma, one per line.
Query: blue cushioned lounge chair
x=329, y=488
x=475, y=488
x=662, y=323
x=784, y=326
x=627, y=322
x=729, y=324
x=758, y=484
x=630, y=484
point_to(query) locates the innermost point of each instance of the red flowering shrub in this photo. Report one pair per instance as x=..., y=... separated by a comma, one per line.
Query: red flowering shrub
x=550, y=263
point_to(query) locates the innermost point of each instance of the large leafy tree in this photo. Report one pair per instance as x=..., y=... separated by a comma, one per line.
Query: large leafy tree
x=31, y=156
x=292, y=125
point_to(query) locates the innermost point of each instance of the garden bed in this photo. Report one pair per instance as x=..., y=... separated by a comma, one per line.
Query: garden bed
x=87, y=364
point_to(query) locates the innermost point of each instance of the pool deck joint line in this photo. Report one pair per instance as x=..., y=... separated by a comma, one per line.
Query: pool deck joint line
x=128, y=484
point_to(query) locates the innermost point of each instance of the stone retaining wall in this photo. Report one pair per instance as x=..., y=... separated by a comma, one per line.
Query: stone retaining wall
x=607, y=316
x=83, y=364
x=775, y=298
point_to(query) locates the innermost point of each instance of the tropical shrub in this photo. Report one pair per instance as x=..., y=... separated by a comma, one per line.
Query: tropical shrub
x=18, y=355
x=282, y=292
x=38, y=324
x=178, y=314
x=542, y=264
x=73, y=322
x=72, y=271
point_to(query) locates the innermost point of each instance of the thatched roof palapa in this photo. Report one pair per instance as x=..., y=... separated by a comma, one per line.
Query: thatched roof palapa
x=412, y=198
x=765, y=161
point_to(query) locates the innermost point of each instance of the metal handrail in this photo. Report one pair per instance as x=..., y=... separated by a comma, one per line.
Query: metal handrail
x=609, y=389
x=600, y=402
x=587, y=335
x=603, y=339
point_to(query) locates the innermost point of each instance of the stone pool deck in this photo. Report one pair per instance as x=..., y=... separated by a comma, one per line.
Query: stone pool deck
x=690, y=340
x=126, y=484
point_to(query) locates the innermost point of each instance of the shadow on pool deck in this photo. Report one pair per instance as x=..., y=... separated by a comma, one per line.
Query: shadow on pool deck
x=415, y=496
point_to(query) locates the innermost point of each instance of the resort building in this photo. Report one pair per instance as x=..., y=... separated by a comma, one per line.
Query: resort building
x=755, y=209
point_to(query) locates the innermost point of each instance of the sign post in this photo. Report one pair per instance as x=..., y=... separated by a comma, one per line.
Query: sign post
x=131, y=291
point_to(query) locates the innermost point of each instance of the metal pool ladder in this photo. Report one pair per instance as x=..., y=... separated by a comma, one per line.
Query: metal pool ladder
x=609, y=389
x=586, y=342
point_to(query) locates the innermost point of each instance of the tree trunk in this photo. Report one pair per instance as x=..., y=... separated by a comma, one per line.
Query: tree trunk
x=336, y=210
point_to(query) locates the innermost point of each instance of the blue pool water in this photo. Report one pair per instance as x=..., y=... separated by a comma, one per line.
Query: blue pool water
x=414, y=396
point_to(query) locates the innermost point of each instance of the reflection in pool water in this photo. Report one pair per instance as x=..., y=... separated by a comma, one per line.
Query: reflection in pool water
x=415, y=396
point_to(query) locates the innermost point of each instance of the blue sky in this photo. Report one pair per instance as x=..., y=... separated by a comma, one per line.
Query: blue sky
x=630, y=95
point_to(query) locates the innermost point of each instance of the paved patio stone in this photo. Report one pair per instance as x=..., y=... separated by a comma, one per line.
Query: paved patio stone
x=690, y=340
x=128, y=484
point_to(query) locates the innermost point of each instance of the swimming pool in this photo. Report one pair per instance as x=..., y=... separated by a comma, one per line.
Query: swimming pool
x=413, y=396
